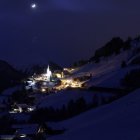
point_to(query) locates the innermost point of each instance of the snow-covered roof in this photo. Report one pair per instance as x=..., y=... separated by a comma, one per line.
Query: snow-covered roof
x=7, y=137
x=26, y=128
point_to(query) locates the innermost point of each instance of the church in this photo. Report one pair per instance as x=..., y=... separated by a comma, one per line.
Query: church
x=48, y=75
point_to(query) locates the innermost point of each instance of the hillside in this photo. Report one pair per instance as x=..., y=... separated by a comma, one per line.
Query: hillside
x=8, y=75
x=64, y=97
x=119, y=120
x=108, y=72
x=98, y=112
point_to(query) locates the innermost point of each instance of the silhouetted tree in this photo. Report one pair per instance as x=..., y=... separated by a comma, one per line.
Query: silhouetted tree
x=123, y=64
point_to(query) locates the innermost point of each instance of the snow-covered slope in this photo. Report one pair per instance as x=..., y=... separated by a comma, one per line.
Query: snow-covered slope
x=63, y=98
x=119, y=120
x=105, y=65
x=108, y=72
x=10, y=91
x=112, y=79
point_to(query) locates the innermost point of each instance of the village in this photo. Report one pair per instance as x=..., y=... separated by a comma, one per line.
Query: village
x=56, y=81
x=20, y=102
x=31, y=109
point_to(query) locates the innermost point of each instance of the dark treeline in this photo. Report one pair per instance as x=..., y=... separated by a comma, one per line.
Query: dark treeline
x=5, y=124
x=21, y=97
x=72, y=109
x=112, y=47
x=136, y=61
x=132, y=79
x=9, y=76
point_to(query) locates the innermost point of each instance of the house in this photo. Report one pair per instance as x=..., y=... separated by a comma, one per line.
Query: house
x=27, y=130
x=19, y=108
x=7, y=133
x=54, y=128
x=7, y=137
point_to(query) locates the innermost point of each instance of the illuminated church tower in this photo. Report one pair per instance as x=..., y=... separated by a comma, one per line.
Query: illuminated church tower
x=48, y=74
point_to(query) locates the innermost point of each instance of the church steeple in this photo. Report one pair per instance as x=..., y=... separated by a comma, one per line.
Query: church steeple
x=48, y=74
x=48, y=69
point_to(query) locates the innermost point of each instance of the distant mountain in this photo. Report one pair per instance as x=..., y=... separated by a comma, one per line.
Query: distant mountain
x=41, y=68
x=8, y=75
x=54, y=66
x=115, y=47
x=112, y=65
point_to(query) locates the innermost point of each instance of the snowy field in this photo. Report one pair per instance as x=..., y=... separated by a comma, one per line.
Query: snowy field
x=63, y=97
x=119, y=120
x=107, y=73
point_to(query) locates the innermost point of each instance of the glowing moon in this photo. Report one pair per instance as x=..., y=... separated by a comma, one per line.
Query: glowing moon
x=33, y=5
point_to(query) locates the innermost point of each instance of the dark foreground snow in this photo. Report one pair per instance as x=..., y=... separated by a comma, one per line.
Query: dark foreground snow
x=119, y=120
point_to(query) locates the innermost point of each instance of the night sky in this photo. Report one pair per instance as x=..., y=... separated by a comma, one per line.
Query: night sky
x=62, y=31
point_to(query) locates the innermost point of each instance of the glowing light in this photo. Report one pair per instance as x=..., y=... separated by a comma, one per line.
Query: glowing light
x=33, y=5
x=58, y=75
x=48, y=74
x=43, y=90
x=31, y=109
x=22, y=135
x=69, y=81
x=31, y=83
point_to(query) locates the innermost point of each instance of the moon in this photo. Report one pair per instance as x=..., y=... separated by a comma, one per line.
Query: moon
x=33, y=5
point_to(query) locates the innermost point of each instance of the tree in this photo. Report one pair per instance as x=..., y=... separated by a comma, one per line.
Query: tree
x=40, y=136
x=95, y=101
x=71, y=108
x=81, y=105
x=123, y=64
